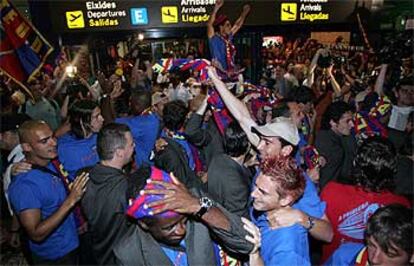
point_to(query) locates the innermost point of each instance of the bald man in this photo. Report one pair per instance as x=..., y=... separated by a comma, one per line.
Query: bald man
x=41, y=201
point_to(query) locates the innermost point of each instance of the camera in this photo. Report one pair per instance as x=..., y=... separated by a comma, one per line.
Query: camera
x=339, y=60
x=74, y=87
x=325, y=59
x=358, y=86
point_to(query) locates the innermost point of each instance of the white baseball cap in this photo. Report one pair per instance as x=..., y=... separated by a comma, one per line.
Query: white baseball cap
x=157, y=97
x=279, y=127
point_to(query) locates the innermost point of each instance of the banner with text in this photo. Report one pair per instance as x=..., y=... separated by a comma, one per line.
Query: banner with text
x=78, y=15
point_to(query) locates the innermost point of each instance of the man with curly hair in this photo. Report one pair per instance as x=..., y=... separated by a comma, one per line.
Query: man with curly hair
x=350, y=205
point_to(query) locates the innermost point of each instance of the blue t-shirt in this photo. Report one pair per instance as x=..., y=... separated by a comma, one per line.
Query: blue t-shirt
x=178, y=258
x=310, y=202
x=302, y=143
x=144, y=129
x=75, y=153
x=345, y=255
x=40, y=190
x=283, y=246
x=218, y=49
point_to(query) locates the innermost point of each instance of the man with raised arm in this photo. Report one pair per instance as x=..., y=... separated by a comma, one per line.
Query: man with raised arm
x=279, y=138
x=220, y=34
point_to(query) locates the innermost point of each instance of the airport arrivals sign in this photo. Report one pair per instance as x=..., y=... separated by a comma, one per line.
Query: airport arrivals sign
x=93, y=15
x=115, y=15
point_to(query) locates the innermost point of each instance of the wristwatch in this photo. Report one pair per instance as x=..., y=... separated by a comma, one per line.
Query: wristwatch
x=205, y=204
x=311, y=223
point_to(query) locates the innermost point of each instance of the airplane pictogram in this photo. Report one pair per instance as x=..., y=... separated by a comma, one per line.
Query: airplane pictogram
x=73, y=17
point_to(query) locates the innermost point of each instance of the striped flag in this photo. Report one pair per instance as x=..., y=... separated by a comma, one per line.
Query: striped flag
x=23, y=50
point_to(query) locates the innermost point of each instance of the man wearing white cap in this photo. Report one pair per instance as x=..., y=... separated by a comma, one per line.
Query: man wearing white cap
x=279, y=138
x=158, y=101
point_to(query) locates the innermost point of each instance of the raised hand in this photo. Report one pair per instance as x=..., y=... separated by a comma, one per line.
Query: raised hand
x=246, y=9
x=219, y=3
x=212, y=72
x=160, y=144
x=117, y=90
x=106, y=85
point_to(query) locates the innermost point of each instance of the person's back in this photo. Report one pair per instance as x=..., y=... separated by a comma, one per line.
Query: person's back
x=144, y=125
x=204, y=134
x=173, y=158
x=105, y=199
x=104, y=204
x=76, y=153
x=229, y=184
x=350, y=205
x=145, y=130
x=228, y=179
x=179, y=156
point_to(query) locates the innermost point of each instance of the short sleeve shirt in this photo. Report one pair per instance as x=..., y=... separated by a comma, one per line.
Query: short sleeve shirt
x=76, y=153
x=40, y=190
x=283, y=246
x=144, y=129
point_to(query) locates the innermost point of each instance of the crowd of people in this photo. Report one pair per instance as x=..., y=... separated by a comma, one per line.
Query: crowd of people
x=135, y=165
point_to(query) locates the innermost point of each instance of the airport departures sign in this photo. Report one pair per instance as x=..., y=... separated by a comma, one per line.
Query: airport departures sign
x=117, y=14
x=110, y=15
